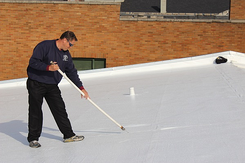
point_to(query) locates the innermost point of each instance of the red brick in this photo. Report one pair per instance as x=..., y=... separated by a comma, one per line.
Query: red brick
x=101, y=34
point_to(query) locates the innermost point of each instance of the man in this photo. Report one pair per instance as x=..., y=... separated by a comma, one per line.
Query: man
x=42, y=82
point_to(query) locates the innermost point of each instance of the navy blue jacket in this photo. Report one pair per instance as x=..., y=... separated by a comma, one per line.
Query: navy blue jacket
x=45, y=52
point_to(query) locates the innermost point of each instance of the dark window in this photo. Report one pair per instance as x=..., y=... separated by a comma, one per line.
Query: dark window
x=89, y=63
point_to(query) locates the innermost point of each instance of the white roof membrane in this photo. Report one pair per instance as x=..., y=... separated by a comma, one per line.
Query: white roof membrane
x=184, y=110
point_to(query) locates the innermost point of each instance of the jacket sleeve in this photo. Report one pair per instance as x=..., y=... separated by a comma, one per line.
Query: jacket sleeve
x=37, y=60
x=72, y=74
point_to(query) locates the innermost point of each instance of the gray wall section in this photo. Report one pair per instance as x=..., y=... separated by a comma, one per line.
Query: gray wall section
x=176, y=6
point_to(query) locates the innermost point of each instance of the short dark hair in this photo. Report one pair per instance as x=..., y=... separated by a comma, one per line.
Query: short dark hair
x=69, y=35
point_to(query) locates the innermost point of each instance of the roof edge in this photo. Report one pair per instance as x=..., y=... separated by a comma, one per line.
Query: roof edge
x=236, y=58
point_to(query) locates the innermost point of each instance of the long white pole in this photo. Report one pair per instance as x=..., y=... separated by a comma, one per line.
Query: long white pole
x=64, y=75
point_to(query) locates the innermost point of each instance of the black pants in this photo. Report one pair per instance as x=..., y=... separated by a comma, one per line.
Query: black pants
x=51, y=92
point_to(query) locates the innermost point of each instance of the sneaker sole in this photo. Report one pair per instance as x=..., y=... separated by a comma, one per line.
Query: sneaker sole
x=35, y=146
x=72, y=140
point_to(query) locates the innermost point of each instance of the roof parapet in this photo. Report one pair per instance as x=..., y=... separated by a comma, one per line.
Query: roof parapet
x=146, y=15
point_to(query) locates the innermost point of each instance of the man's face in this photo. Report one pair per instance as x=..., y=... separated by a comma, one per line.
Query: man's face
x=67, y=44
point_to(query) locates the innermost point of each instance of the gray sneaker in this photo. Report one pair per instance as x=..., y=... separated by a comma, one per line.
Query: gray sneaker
x=73, y=138
x=34, y=144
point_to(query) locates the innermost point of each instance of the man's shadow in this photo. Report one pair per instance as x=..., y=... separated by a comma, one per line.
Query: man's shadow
x=17, y=129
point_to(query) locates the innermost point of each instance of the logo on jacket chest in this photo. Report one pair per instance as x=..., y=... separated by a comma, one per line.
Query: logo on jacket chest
x=65, y=58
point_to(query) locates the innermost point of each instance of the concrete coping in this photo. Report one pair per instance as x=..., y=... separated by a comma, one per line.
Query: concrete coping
x=242, y=21
x=166, y=14
x=108, y=2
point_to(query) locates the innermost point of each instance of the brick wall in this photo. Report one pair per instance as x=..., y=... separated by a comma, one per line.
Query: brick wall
x=102, y=35
x=237, y=9
x=23, y=25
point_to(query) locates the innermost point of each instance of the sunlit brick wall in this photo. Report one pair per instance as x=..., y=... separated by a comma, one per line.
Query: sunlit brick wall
x=237, y=9
x=101, y=34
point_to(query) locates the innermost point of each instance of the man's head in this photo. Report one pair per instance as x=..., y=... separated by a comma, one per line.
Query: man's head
x=69, y=35
x=67, y=40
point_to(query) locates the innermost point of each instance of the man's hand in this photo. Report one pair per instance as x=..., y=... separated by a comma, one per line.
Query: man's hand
x=53, y=67
x=85, y=94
